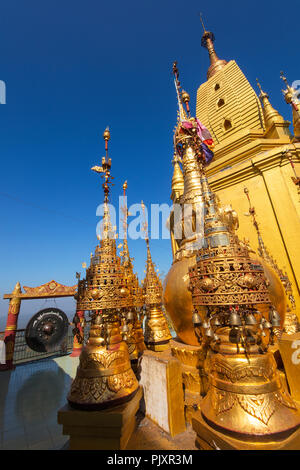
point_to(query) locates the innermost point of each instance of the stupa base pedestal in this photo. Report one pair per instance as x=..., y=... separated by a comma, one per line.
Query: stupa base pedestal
x=209, y=438
x=192, y=404
x=163, y=392
x=108, y=429
x=194, y=378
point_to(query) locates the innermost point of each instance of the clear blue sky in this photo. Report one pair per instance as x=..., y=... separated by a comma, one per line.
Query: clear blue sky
x=71, y=68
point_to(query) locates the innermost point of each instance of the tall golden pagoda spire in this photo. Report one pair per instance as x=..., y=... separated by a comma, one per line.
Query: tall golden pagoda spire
x=126, y=260
x=271, y=115
x=157, y=334
x=207, y=41
x=131, y=324
x=291, y=98
x=104, y=376
x=291, y=324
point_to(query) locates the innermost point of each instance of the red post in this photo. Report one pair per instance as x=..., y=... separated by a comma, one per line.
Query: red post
x=11, y=326
x=78, y=333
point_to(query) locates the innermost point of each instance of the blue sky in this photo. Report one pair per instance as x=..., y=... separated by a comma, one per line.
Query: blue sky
x=73, y=67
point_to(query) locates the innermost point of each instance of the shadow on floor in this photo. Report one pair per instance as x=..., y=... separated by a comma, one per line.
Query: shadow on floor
x=30, y=396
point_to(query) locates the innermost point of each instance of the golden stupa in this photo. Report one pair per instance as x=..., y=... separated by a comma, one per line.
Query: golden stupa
x=131, y=319
x=246, y=398
x=104, y=376
x=187, y=228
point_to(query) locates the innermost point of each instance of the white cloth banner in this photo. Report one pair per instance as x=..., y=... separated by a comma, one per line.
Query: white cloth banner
x=2, y=352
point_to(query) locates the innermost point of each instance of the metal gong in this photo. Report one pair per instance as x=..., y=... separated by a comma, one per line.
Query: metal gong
x=46, y=330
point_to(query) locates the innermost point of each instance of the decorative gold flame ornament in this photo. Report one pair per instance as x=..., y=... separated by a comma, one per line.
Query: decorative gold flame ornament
x=131, y=324
x=157, y=334
x=245, y=398
x=291, y=323
x=104, y=376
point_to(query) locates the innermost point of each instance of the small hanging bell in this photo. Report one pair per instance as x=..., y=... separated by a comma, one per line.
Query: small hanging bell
x=250, y=319
x=205, y=324
x=196, y=319
x=98, y=320
x=130, y=316
x=209, y=333
x=217, y=322
x=234, y=319
x=274, y=318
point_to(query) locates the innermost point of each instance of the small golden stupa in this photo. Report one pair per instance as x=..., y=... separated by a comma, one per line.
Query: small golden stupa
x=132, y=328
x=104, y=376
x=246, y=399
x=157, y=334
x=291, y=324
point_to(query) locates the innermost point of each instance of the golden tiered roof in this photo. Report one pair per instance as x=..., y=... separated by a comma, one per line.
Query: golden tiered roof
x=104, y=284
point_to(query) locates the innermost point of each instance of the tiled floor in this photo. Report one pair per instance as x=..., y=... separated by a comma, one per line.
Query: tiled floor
x=30, y=397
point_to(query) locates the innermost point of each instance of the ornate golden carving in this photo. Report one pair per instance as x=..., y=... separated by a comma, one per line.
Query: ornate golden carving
x=51, y=288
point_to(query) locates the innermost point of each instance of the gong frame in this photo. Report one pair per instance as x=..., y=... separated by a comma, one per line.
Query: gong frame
x=50, y=290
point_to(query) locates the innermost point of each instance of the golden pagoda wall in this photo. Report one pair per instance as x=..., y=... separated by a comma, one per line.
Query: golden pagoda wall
x=247, y=155
x=241, y=104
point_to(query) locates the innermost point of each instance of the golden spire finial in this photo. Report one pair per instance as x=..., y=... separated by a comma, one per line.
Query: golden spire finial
x=263, y=252
x=207, y=41
x=145, y=223
x=182, y=96
x=104, y=170
x=201, y=19
x=260, y=88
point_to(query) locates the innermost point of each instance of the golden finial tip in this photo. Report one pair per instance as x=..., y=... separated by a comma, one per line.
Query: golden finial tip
x=185, y=97
x=201, y=19
x=246, y=190
x=125, y=185
x=106, y=134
